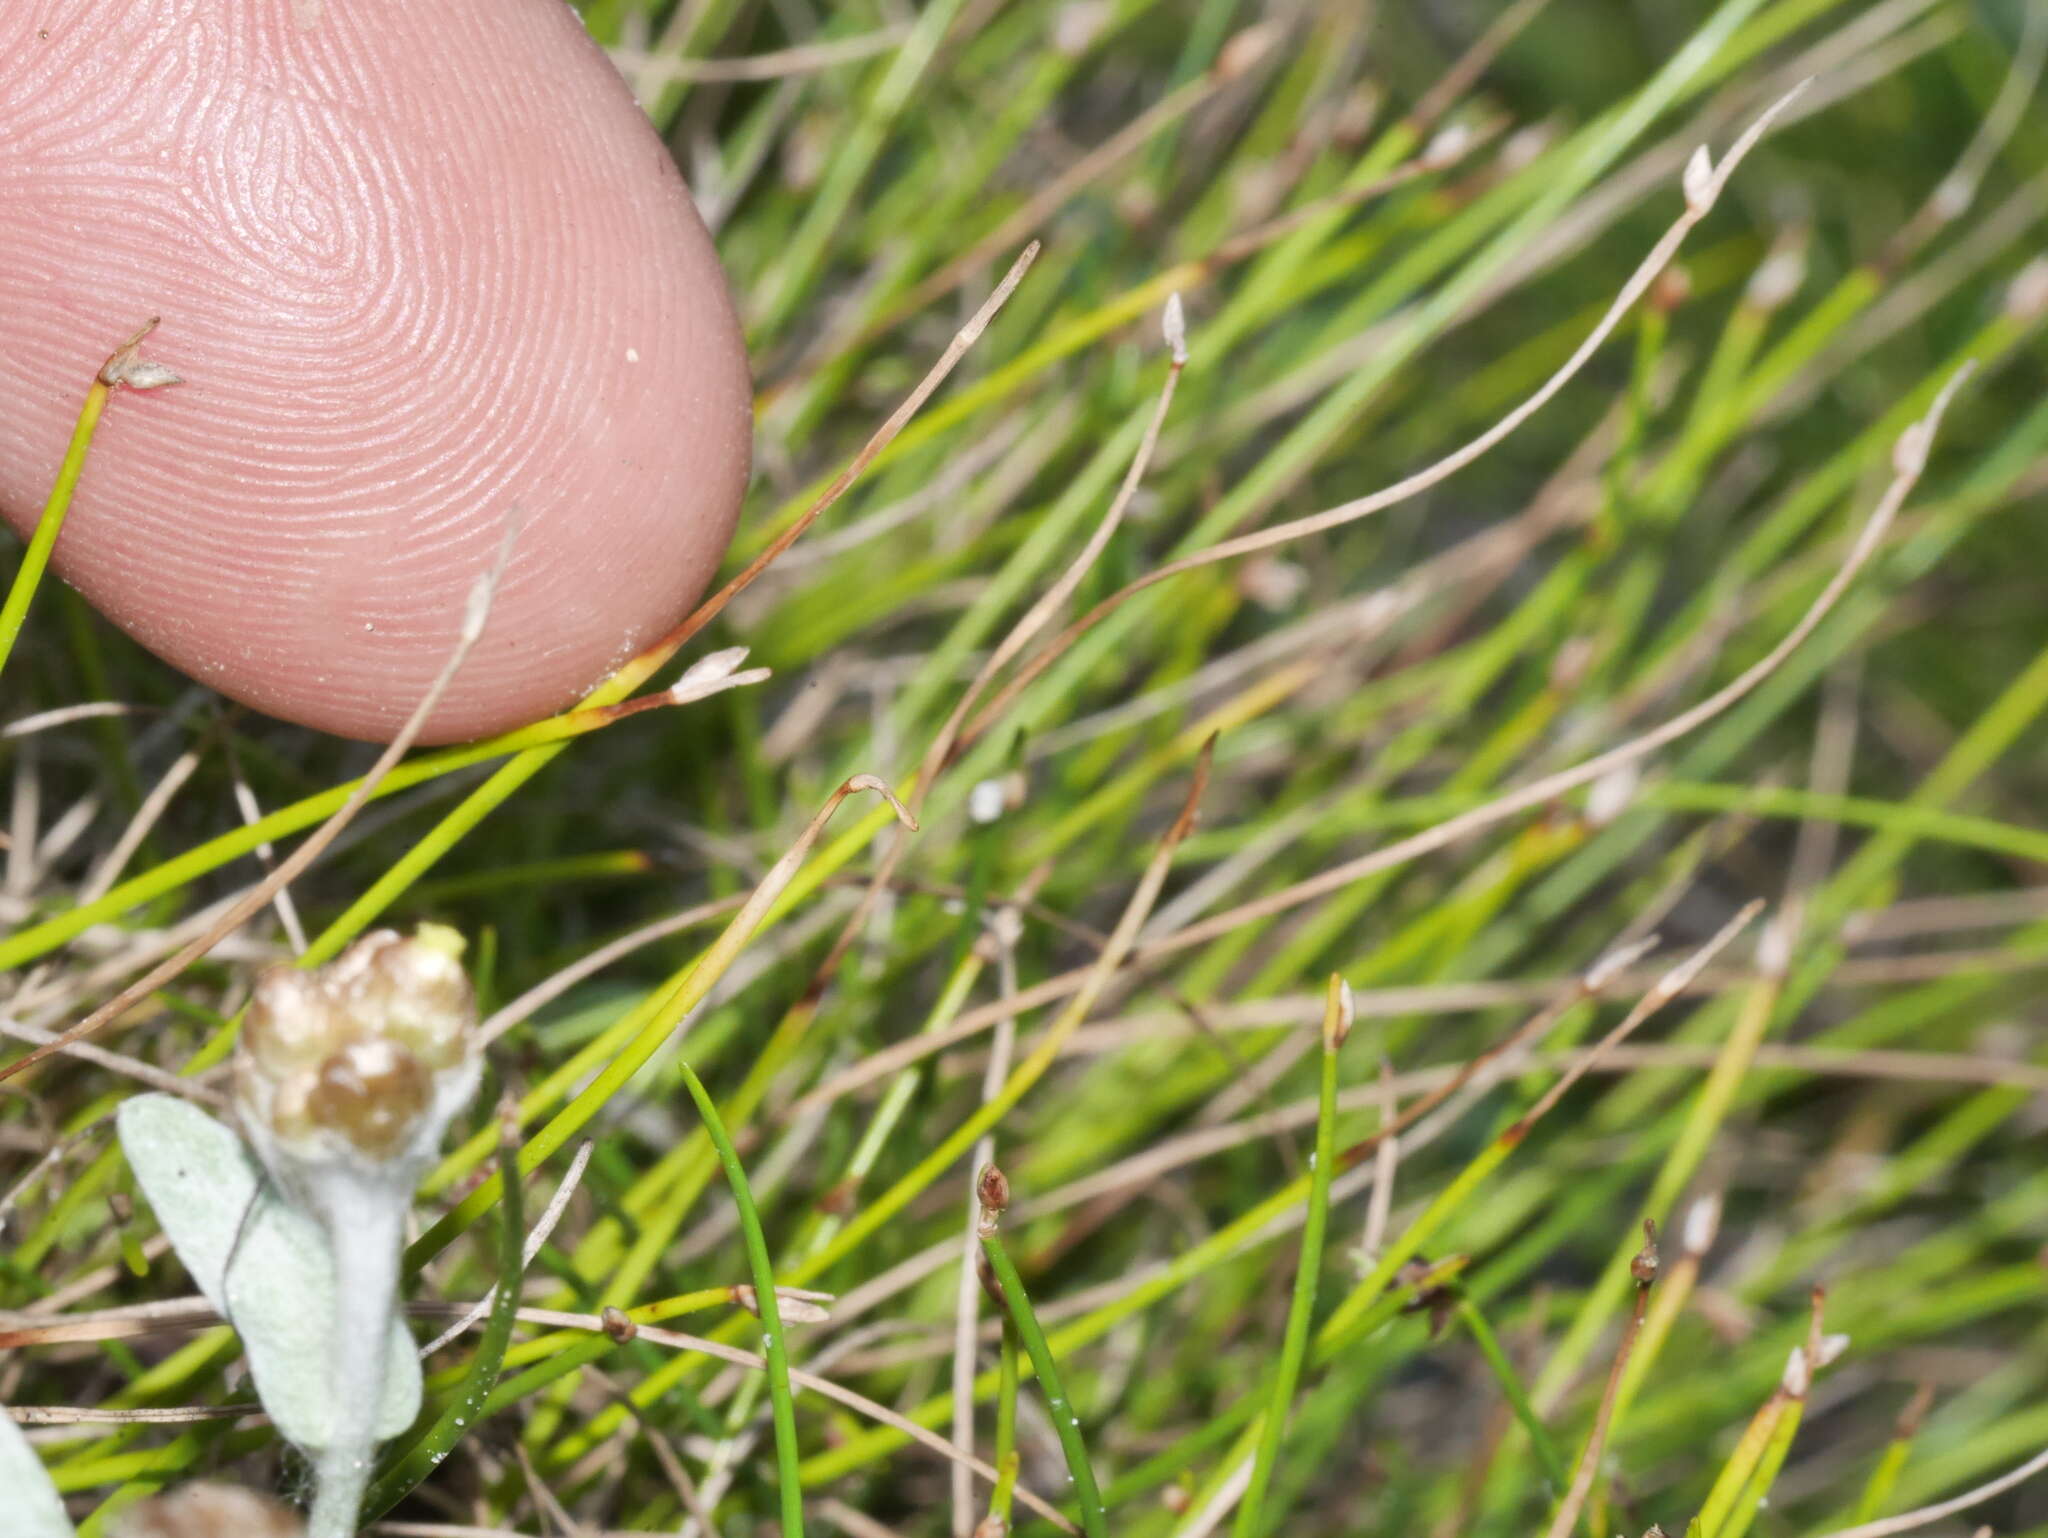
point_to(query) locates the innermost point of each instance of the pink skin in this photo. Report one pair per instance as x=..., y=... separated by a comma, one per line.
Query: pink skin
x=420, y=265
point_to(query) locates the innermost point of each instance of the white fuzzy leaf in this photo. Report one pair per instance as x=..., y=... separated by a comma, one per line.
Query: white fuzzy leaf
x=33, y=1509
x=201, y=1179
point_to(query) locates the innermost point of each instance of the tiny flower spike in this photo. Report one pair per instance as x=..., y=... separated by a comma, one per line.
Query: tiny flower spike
x=992, y=1191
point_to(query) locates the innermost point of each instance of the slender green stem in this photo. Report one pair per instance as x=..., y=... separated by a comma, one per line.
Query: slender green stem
x=1006, y=1459
x=1772, y=1460
x=1301, y=1311
x=1066, y=1424
x=29, y=575
x=1742, y=1464
x=774, y=1348
x=1884, y=1477
x=1517, y=1397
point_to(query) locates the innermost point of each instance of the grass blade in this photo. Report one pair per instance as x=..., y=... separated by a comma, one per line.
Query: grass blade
x=123, y=368
x=1016, y=1305
x=1301, y=1312
x=773, y=1347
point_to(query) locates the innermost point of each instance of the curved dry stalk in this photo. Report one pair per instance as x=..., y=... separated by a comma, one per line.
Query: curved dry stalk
x=99, y=1415
x=1703, y=182
x=1563, y=994
x=1589, y=1460
x=557, y=1205
x=476, y=610
x=1036, y=618
x=1909, y=460
x=1458, y=998
x=128, y=1067
x=147, y=815
x=266, y=852
x=1671, y=985
x=1049, y=603
x=553, y=986
x=1906, y=1521
x=64, y=715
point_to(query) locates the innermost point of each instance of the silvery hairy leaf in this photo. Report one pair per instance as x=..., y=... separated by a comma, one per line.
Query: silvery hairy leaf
x=26, y=1494
x=265, y=1265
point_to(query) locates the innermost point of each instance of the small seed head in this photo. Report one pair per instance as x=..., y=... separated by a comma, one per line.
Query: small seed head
x=1174, y=324
x=1909, y=450
x=985, y=802
x=1798, y=1375
x=1951, y=199
x=1525, y=144
x=145, y=375
x=127, y=366
x=793, y=1305
x=617, y=1325
x=1340, y=1012
x=1698, y=182
x=1702, y=1222
x=1777, y=278
x=1447, y=146
x=1076, y=25
x=1242, y=50
x=1644, y=1266
x=1612, y=794
x=992, y=1190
